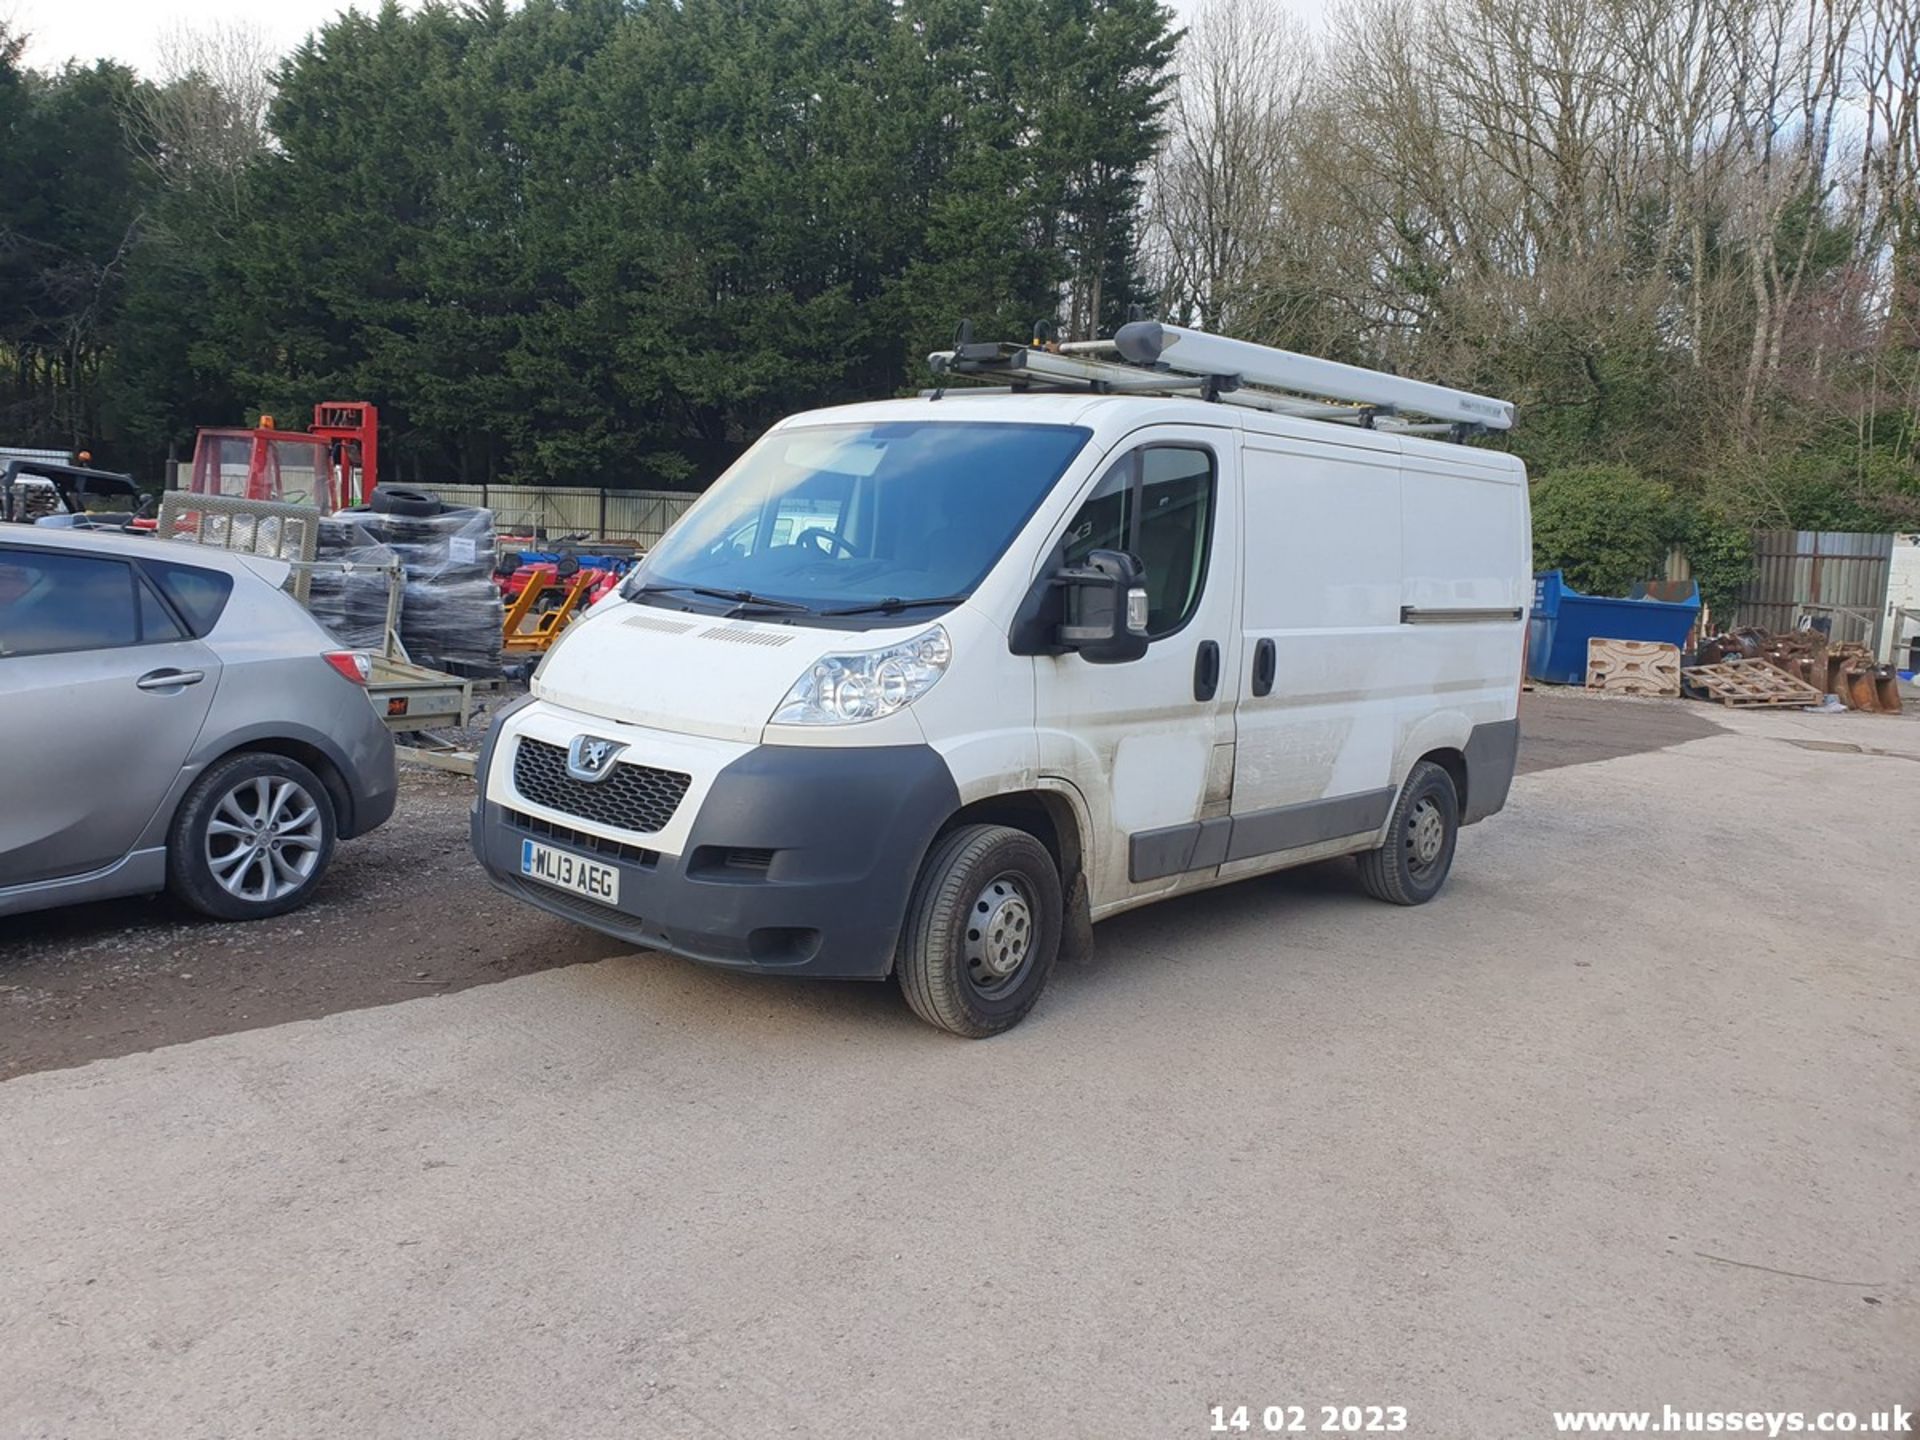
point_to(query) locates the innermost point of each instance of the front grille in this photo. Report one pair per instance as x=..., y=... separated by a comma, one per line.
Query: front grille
x=634, y=797
x=580, y=839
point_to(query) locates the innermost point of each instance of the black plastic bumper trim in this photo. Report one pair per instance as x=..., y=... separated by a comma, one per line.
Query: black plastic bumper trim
x=846, y=829
x=1206, y=844
x=1493, y=753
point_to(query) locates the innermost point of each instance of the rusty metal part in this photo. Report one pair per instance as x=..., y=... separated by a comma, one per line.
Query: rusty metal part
x=1860, y=692
x=1846, y=669
x=1886, y=689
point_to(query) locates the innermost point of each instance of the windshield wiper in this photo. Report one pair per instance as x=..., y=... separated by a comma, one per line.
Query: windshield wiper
x=739, y=597
x=893, y=602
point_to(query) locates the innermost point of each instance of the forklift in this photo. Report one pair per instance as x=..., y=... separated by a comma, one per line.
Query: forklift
x=331, y=466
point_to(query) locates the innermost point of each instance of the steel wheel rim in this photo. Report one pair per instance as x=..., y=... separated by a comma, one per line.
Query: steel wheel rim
x=1002, y=932
x=1426, y=836
x=263, y=840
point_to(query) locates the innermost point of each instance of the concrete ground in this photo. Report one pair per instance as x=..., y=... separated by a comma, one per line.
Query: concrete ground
x=1630, y=1116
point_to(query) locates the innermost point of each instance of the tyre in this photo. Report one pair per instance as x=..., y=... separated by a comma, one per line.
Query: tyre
x=252, y=838
x=983, y=929
x=404, y=500
x=1411, y=867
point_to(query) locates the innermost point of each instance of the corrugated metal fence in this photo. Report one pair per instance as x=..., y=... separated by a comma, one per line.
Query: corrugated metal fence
x=1819, y=572
x=641, y=516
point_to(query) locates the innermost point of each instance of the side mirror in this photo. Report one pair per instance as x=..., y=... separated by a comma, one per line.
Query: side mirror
x=1106, y=608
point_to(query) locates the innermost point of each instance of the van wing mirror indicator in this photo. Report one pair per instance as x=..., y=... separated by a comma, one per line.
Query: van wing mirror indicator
x=1105, y=608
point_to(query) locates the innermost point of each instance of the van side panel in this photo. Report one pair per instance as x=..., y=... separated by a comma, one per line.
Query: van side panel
x=1322, y=560
x=1468, y=557
x=1464, y=535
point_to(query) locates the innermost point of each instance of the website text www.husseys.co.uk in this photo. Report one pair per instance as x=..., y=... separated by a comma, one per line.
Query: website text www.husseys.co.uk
x=1668, y=1421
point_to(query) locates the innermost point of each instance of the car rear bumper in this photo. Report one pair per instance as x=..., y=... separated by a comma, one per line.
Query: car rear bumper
x=374, y=796
x=798, y=860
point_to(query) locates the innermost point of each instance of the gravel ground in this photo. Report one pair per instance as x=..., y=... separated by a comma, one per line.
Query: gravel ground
x=403, y=912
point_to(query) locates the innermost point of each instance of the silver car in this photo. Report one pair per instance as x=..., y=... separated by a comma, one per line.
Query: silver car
x=171, y=719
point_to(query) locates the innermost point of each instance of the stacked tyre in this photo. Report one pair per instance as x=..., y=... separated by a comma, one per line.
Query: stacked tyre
x=352, y=604
x=451, y=613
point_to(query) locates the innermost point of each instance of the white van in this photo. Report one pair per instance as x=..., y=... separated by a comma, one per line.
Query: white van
x=925, y=687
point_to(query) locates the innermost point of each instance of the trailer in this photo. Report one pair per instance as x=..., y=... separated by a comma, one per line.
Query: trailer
x=413, y=700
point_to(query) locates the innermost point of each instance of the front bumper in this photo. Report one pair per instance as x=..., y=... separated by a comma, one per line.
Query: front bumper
x=799, y=859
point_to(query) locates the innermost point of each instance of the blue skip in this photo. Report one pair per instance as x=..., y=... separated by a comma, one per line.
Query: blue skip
x=1564, y=621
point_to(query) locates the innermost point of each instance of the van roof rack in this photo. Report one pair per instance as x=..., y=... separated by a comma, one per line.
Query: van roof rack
x=1147, y=358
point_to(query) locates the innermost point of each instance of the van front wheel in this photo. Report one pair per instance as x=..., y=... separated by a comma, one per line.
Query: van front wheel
x=1411, y=867
x=982, y=931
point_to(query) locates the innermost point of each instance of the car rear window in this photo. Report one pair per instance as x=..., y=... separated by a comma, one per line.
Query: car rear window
x=199, y=595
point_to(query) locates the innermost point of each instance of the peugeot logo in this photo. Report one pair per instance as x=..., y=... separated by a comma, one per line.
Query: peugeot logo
x=590, y=758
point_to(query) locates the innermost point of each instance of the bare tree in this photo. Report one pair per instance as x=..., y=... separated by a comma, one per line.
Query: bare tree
x=1213, y=219
x=205, y=120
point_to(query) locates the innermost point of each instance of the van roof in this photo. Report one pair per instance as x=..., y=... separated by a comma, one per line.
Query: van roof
x=1111, y=417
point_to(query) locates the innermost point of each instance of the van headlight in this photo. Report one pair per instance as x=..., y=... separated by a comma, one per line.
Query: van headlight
x=867, y=684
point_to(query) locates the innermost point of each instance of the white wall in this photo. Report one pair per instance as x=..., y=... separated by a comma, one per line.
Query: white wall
x=1903, y=593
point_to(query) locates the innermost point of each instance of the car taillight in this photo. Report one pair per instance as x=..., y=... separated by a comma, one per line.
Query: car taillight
x=350, y=663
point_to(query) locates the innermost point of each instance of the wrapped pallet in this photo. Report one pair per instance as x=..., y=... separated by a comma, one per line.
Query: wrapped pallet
x=450, y=613
x=350, y=602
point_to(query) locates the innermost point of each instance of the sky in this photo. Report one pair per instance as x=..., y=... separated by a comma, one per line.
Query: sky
x=132, y=31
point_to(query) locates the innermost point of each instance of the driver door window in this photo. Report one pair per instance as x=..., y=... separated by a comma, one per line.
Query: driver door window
x=1156, y=504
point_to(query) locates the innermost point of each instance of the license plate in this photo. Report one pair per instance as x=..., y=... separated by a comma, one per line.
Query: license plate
x=569, y=872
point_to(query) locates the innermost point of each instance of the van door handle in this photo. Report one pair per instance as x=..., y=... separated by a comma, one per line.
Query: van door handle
x=169, y=679
x=1264, y=666
x=1206, y=671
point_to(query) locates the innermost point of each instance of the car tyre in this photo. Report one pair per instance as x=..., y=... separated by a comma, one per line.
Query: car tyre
x=404, y=500
x=983, y=930
x=252, y=839
x=1412, y=866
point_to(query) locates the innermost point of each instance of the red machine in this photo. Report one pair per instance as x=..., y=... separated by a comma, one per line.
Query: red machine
x=332, y=466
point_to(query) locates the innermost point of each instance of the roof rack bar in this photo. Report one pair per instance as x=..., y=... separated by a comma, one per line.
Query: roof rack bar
x=1194, y=352
x=1024, y=362
x=1105, y=375
x=1085, y=365
x=1110, y=377
x=1287, y=405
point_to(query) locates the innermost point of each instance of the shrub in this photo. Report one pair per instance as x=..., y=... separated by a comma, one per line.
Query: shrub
x=1605, y=526
x=1721, y=554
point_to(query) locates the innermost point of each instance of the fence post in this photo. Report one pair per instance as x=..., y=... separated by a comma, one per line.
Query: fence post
x=603, y=512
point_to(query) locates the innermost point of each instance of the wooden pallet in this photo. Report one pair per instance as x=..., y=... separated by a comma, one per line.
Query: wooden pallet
x=1748, y=683
x=1633, y=667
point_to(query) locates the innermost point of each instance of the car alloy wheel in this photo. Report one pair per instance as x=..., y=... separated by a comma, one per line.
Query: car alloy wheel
x=265, y=839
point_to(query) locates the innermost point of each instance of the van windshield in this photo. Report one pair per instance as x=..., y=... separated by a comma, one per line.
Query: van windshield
x=858, y=519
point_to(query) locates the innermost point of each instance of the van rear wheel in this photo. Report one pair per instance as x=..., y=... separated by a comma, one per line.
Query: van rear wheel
x=982, y=932
x=1412, y=866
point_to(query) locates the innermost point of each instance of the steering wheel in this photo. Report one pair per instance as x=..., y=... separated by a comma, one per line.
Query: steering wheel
x=827, y=542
